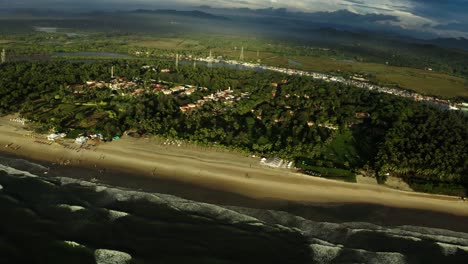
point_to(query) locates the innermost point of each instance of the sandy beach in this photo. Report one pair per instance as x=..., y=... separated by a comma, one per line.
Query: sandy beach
x=215, y=169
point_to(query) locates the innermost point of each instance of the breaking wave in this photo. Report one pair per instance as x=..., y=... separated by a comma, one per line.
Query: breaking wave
x=23, y=165
x=12, y=171
x=72, y=208
x=114, y=215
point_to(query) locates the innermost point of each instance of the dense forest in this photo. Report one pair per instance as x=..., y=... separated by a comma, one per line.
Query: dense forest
x=327, y=128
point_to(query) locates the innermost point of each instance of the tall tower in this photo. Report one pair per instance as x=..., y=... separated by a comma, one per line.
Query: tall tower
x=241, y=57
x=112, y=72
x=3, y=59
x=177, y=61
x=210, y=59
x=194, y=64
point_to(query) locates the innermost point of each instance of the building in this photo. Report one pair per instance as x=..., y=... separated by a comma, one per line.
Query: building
x=81, y=140
x=53, y=137
x=272, y=162
x=190, y=91
x=177, y=89
x=184, y=109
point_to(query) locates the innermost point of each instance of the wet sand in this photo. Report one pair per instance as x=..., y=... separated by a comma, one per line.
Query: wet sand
x=217, y=170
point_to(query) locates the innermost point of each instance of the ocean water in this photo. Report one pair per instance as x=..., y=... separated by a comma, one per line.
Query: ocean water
x=60, y=219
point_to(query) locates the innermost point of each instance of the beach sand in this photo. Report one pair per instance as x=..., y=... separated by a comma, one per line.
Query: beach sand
x=215, y=169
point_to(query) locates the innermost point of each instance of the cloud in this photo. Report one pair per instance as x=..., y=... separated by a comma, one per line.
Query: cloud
x=411, y=14
x=345, y=16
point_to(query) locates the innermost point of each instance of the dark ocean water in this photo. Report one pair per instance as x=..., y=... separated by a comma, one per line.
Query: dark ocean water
x=50, y=218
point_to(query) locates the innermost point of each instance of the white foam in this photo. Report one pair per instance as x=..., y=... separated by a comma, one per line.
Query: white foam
x=382, y=257
x=179, y=204
x=324, y=254
x=415, y=239
x=48, y=182
x=128, y=195
x=106, y=256
x=73, y=244
x=67, y=181
x=390, y=233
x=430, y=234
x=114, y=215
x=100, y=188
x=325, y=243
x=13, y=171
x=416, y=233
x=72, y=208
x=283, y=227
x=449, y=249
x=325, y=239
x=31, y=164
x=435, y=233
x=256, y=224
x=213, y=210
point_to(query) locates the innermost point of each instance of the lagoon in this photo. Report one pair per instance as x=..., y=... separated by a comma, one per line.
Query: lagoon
x=92, y=54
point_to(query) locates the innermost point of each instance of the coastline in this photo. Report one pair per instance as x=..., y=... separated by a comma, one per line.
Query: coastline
x=217, y=170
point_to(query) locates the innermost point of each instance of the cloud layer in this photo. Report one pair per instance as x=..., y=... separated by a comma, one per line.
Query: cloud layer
x=447, y=17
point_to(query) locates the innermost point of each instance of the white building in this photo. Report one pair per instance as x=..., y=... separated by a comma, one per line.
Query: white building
x=81, y=140
x=53, y=137
x=272, y=162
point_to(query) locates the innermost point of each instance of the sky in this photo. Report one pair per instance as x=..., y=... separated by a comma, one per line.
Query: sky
x=444, y=17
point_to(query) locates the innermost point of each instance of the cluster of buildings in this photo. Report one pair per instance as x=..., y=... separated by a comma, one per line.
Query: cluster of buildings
x=227, y=96
x=80, y=140
x=121, y=83
x=83, y=139
x=19, y=120
x=81, y=88
x=123, y=86
x=115, y=84
x=56, y=136
x=180, y=90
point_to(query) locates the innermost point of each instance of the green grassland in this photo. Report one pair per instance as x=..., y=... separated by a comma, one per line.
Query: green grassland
x=169, y=43
x=342, y=150
x=421, y=81
x=5, y=41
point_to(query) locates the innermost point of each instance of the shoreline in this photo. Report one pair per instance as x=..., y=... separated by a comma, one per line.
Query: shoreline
x=320, y=212
x=217, y=170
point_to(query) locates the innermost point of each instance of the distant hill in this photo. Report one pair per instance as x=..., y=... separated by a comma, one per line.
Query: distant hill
x=194, y=13
x=457, y=43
